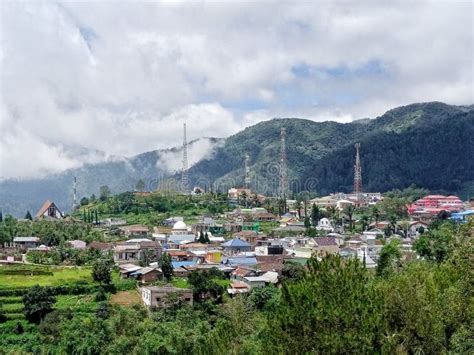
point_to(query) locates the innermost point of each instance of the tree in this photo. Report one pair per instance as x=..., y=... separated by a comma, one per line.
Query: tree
x=375, y=213
x=84, y=201
x=292, y=272
x=96, y=217
x=166, y=266
x=262, y=296
x=349, y=212
x=1, y=216
x=436, y=244
x=389, y=259
x=140, y=185
x=299, y=207
x=28, y=216
x=307, y=223
x=104, y=193
x=102, y=271
x=326, y=311
x=315, y=214
x=38, y=302
x=205, y=285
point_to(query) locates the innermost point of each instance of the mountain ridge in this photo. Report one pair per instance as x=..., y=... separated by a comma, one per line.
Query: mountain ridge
x=429, y=144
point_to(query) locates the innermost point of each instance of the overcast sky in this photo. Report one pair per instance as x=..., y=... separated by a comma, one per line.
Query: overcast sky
x=123, y=77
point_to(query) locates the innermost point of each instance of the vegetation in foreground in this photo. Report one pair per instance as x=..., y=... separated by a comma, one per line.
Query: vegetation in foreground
x=333, y=306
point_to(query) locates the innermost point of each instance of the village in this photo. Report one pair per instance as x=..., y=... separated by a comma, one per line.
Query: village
x=251, y=246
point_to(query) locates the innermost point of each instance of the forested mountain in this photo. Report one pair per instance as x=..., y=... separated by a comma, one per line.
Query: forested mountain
x=427, y=144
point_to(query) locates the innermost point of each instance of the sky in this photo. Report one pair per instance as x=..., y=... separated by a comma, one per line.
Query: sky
x=84, y=81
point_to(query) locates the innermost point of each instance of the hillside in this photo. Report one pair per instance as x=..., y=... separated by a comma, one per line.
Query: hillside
x=119, y=174
x=427, y=144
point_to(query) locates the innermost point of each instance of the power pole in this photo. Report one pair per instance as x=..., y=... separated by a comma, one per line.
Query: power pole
x=283, y=172
x=184, y=172
x=247, y=172
x=358, y=175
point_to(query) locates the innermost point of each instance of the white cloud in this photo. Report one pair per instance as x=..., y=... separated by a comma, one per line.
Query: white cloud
x=122, y=77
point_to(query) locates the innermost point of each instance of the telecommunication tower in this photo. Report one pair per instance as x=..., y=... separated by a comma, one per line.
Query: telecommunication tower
x=74, y=195
x=184, y=172
x=247, y=172
x=357, y=174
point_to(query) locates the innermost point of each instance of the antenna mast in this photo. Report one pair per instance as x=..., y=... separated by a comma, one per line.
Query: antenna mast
x=283, y=168
x=357, y=175
x=247, y=171
x=74, y=198
x=184, y=172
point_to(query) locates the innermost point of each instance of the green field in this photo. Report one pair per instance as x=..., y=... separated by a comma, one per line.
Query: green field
x=60, y=276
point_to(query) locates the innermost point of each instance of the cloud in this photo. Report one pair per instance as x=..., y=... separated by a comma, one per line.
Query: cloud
x=122, y=77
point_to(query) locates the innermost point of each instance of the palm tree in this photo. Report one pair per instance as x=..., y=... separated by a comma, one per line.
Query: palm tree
x=375, y=212
x=349, y=212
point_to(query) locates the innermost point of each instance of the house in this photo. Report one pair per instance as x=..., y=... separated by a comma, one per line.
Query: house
x=238, y=287
x=49, y=210
x=126, y=269
x=270, y=263
x=326, y=245
x=239, y=260
x=162, y=297
x=25, y=243
x=270, y=277
x=417, y=227
x=235, y=246
x=101, y=246
x=178, y=255
x=240, y=273
x=135, y=250
x=462, y=216
x=77, y=244
x=147, y=274
x=135, y=230
x=248, y=235
x=113, y=222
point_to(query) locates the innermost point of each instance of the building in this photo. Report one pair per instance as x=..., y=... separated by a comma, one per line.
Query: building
x=326, y=245
x=135, y=250
x=235, y=246
x=135, y=231
x=248, y=236
x=25, y=243
x=77, y=244
x=433, y=204
x=234, y=194
x=163, y=297
x=49, y=210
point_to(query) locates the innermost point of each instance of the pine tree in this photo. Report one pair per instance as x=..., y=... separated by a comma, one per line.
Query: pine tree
x=85, y=217
x=1, y=216
x=96, y=217
x=28, y=216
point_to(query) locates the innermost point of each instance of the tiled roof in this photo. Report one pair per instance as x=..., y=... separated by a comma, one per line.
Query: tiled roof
x=326, y=241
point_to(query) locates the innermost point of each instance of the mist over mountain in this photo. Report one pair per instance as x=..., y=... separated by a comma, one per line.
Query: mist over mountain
x=427, y=144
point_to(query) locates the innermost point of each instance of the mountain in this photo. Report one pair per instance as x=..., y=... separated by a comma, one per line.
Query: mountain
x=427, y=144
x=118, y=173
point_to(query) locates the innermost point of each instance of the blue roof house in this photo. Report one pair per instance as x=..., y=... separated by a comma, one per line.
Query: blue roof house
x=236, y=246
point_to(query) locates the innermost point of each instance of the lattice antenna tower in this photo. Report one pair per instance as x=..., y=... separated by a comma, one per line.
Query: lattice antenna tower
x=74, y=194
x=357, y=174
x=247, y=180
x=283, y=167
x=184, y=171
